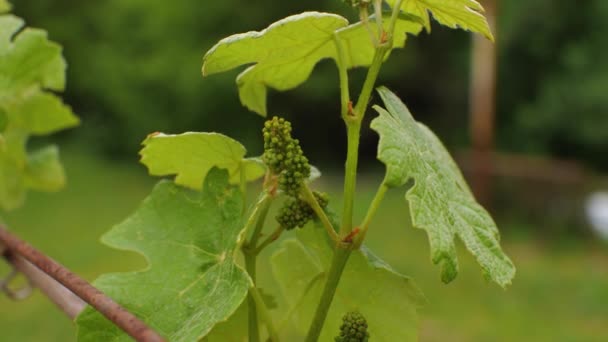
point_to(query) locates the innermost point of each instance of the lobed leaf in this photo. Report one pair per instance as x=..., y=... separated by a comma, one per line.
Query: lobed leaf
x=192, y=282
x=440, y=200
x=465, y=14
x=284, y=54
x=369, y=285
x=30, y=66
x=191, y=155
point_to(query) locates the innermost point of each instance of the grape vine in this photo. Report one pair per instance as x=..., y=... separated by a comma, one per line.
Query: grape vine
x=201, y=237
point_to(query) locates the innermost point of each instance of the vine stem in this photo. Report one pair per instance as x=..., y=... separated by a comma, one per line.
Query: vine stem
x=371, y=211
x=258, y=216
x=353, y=123
x=261, y=306
x=333, y=278
x=309, y=197
x=343, y=74
x=272, y=238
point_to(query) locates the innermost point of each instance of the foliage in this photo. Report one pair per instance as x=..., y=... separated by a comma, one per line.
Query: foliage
x=31, y=69
x=326, y=271
x=192, y=237
x=192, y=282
x=388, y=298
x=440, y=200
x=191, y=155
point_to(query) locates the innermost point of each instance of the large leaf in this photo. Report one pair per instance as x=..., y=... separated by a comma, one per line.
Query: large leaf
x=465, y=14
x=189, y=239
x=191, y=155
x=30, y=65
x=285, y=53
x=387, y=298
x=440, y=200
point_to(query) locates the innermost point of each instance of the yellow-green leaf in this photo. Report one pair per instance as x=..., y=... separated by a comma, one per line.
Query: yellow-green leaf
x=284, y=54
x=30, y=66
x=191, y=155
x=465, y=14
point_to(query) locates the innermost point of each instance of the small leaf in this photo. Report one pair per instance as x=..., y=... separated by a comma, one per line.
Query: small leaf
x=369, y=285
x=5, y=6
x=440, y=200
x=44, y=171
x=465, y=14
x=30, y=65
x=192, y=282
x=191, y=155
x=285, y=53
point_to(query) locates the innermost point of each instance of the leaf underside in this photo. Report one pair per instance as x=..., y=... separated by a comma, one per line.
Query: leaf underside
x=192, y=282
x=440, y=200
x=31, y=67
x=465, y=14
x=284, y=54
x=191, y=155
x=387, y=299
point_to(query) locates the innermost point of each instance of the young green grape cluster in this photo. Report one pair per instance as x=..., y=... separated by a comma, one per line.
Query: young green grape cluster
x=296, y=212
x=284, y=156
x=353, y=328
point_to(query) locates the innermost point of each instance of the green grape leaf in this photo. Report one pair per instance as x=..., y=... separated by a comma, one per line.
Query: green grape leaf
x=44, y=171
x=192, y=282
x=284, y=54
x=30, y=66
x=5, y=6
x=440, y=200
x=465, y=14
x=191, y=155
x=232, y=330
x=388, y=299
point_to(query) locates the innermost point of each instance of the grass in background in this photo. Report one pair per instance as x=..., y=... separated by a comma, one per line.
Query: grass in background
x=559, y=293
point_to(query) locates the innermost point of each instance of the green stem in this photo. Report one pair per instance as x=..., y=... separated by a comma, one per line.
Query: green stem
x=335, y=272
x=258, y=217
x=394, y=16
x=254, y=330
x=272, y=238
x=370, y=213
x=261, y=306
x=350, y=175
x=243, y=185
x=262, y=207
x=353, y=123
x=364, y=17
x=370, y=81
x=378, y=15
x=314, y=204
x=343, y=74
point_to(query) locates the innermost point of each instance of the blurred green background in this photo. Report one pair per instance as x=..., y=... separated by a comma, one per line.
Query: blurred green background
x=134, y=68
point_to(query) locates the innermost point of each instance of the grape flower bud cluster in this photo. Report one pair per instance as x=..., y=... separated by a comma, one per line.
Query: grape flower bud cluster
x=295, y=212
x=284, y=156
x=353, y=328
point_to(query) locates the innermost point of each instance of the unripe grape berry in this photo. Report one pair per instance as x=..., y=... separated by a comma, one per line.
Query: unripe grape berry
x=284, y=156
x=296, y=212
x=353, y=328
